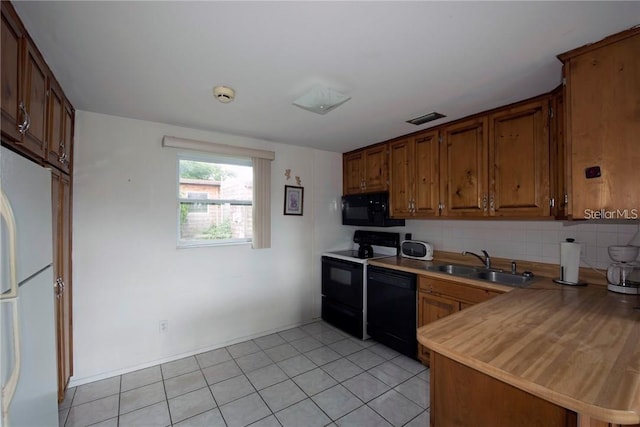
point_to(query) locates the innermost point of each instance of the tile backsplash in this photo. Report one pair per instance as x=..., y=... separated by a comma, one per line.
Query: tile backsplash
x=526, y=240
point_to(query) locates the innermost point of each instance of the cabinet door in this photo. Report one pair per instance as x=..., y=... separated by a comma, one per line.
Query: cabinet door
x=353, y=173
x=603, y=126
x=10, y=73
x=430, y=309
x=426, y=188
x=401, y=176
x=375, y=169
x=519, y=161
x=61, y=210
x=69, y=127
x=35, y=101
x=462, y=396
x=56, y=119
x=464, y=157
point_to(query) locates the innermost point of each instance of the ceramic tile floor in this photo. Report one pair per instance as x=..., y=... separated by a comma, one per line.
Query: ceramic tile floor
x=309, y=376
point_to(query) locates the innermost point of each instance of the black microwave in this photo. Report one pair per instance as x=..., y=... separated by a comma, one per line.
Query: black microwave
x=368, y=210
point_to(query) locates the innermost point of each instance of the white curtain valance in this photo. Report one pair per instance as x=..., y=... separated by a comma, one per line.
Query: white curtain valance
x=229, y=150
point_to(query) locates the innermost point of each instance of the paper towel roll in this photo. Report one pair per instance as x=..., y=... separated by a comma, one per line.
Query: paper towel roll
x=569, y=261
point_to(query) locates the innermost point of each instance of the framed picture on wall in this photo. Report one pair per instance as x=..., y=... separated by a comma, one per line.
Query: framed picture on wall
x=293, y=200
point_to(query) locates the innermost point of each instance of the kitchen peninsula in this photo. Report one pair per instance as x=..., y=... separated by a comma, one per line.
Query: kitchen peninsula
x=542, y=355
x=576, y=347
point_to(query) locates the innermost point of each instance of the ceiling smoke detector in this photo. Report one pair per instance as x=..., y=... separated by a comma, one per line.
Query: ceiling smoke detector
x=224, y=94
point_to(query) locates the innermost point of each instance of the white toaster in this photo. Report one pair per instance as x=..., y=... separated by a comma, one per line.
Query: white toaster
x=416, y=249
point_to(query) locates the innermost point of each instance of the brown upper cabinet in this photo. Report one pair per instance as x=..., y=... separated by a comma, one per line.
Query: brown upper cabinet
x=11, y=74
x=414, y=176
x=495, y=164
x=24, y=88
x=463, y=167
x=60, y=128
x=602, y=126
x=557, y=156
x=35, y=101
x=365, y=171
x=498, y=164
x=37, y=119
x=519, y=160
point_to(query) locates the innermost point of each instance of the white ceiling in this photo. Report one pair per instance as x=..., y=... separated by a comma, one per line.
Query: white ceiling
x=159, y=61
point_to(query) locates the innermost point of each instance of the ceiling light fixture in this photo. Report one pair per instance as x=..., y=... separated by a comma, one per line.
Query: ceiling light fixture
x=224, y=94
x=321, y=100
x=426, y=118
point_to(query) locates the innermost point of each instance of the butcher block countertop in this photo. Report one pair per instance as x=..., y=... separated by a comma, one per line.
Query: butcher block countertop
x=577, y=347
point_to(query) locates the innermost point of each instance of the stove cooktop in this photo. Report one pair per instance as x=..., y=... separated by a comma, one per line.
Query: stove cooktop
x=353, y=253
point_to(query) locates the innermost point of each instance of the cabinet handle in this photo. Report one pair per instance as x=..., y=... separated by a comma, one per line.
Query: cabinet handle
x=24, y=126
x=484, y=202
x=59, y=287
x=492, y=205
x=62, y=154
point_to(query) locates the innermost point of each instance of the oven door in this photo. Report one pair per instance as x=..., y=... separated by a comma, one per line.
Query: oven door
x=342, y=281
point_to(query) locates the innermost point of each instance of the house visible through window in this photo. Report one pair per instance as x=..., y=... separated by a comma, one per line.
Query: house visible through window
x=215, y=200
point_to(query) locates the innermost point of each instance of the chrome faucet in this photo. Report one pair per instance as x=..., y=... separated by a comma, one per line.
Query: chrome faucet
x=486, y=261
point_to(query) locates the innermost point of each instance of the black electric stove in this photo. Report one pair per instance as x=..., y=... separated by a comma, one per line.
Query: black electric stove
x=344, y=279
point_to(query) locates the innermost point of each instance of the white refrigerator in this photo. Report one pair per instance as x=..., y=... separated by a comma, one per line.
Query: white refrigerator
x=27, y=320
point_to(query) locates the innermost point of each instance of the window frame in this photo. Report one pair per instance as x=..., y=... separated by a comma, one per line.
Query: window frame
x=215, y=159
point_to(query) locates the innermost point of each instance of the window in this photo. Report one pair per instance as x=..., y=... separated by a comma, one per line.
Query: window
x=260, y=163
x=215, y=195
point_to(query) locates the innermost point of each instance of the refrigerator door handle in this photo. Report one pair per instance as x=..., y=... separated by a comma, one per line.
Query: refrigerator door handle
x=9, y=388
x=7, y=216
x=11, y=297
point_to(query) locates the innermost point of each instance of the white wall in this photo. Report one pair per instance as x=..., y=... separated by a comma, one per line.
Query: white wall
x=129, y=275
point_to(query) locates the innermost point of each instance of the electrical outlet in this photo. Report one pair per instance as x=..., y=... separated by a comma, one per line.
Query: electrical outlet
x=164, y=326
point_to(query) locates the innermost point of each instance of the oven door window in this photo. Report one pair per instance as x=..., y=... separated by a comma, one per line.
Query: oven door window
x=342, y=281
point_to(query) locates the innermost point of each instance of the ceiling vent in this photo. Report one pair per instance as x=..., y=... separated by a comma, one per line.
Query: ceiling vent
x=321, y=100
x=224, y=94
x=426, y=118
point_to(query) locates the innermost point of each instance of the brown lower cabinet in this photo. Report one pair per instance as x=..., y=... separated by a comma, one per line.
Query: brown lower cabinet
x=461, y=396
x=61, y=211
x=438, y=298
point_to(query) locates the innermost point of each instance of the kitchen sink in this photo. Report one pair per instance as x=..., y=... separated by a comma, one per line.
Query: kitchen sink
x=502, y=278
x=453, y=269
x=494, y=276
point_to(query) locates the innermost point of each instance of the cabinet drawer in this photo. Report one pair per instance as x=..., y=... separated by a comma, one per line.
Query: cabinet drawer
x=457, y=291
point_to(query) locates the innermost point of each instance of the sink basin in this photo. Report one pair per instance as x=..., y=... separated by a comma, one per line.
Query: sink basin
x=493, y=276
x=501, y=277
x=459, y=270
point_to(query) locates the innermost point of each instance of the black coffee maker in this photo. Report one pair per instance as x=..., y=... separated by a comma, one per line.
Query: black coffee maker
x=365, y=251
